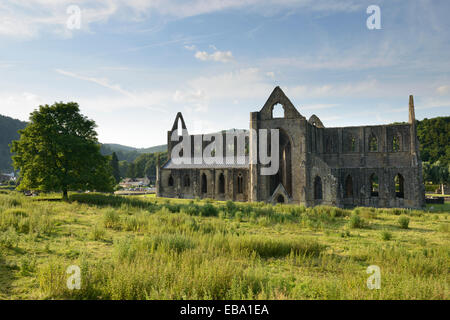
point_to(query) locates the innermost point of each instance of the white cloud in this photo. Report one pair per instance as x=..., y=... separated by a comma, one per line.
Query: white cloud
x=19, y=105
x=443, y=90
x=219, y=56
x=196, y=98
x=190, y=47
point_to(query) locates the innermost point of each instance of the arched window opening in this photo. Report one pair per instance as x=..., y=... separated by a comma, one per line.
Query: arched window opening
x=170, y=183
x=348, y=187
x=187, y=181
x=221, y=183
x=280, y=199
x=278, y=111
x=396, y=144
x=317, y=188
x=399, y=186
x=374, y=185
x=352, y=144
x=204, y=184
x=373, y=143
x=240, y=183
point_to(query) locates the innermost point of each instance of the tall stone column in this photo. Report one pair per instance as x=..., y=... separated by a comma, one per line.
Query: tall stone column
x=253, y=147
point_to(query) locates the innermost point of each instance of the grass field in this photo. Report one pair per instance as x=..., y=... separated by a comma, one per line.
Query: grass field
x=149, y=248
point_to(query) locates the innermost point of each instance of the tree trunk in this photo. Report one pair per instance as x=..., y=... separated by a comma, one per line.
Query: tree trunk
x=65, y=194
x=442, y=189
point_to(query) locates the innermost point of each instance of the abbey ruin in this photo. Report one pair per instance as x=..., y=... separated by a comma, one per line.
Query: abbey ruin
x=376, y=166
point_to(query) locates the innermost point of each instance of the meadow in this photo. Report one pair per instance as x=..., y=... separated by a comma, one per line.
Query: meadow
x=143, y=247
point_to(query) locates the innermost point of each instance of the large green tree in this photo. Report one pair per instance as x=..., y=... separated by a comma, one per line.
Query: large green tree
x=59, y=151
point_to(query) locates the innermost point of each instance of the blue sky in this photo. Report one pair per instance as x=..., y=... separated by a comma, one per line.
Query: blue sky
x=134, y=64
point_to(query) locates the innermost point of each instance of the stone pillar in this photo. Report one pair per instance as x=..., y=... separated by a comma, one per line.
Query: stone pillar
x=252, y=185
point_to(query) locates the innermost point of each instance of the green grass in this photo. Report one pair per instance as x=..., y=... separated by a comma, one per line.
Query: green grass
x=148, y=248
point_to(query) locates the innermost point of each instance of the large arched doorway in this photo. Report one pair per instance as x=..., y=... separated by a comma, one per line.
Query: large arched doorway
x=284, y=175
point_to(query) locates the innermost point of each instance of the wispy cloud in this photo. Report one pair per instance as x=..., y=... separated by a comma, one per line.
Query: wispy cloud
x=29, y=18
x=100, y=81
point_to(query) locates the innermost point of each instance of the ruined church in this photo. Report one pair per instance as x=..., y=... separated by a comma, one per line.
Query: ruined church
x=377, y=166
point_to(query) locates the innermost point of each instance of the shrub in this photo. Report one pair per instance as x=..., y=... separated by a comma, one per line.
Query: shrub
x=97, y=233
x=386, y=235
x=191, y=209
x=230, y=207
x=368, y=213
x=9, y=238
x=398, y=211
x=356, y=222
x=208, y=210
x=111, y=219
x=403, y=221
x=345, y=234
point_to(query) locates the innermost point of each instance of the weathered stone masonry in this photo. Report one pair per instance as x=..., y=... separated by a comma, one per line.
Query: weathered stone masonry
x=375, y=166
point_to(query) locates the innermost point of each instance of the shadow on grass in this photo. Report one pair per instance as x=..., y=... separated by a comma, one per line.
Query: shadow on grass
x=6, y=277
x=111, y=201
x=49, y=199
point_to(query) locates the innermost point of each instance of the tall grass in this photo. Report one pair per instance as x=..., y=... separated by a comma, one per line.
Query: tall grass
x=140, y=248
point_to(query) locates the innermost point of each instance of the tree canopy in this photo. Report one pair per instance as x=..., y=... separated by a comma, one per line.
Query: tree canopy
x=59, y=151
x=434, y=138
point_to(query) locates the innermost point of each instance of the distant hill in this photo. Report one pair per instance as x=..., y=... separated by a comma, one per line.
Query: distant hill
x=8, y=133
x=129, y=153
